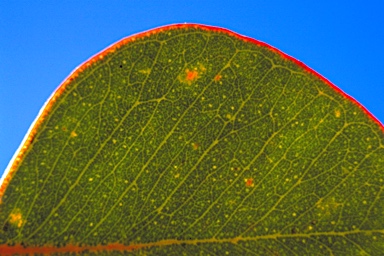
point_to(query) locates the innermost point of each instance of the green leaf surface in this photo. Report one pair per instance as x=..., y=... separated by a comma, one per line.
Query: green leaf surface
x=193, y=140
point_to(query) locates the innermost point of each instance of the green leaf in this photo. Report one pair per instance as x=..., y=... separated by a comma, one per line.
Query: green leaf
x=190, y=139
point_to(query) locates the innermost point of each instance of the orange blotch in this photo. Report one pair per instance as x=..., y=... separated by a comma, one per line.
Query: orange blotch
x=217, y=77
x=249, y=182
x=195, y=146
x=191, y=75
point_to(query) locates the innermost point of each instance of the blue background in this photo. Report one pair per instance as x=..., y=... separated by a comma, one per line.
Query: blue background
x=42, y=42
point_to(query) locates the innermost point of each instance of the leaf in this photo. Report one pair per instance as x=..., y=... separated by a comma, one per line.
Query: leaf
x=191, y=139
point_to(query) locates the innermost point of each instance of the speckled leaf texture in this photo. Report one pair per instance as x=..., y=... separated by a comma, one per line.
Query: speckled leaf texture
x=193, y=140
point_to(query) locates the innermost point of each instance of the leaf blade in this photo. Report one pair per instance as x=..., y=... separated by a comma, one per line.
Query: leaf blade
x=235, y=149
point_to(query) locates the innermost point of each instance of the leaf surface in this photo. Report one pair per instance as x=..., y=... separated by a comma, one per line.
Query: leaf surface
x=190, y=139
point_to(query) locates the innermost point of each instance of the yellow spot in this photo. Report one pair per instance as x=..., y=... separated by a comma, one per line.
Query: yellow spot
x=16, y=218
x=327, y=205
x=231, y=202
x=337, y=113
x=202, y=68
x=177, y=175
x=145, y=71
x=73, y=134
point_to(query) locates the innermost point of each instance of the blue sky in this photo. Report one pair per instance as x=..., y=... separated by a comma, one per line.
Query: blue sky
x=43, y=41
